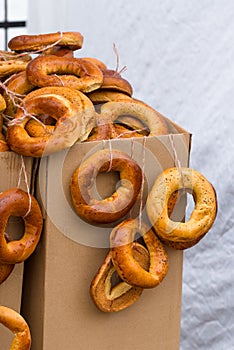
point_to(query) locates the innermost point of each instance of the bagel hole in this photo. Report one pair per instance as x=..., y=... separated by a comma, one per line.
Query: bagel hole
x=106, y=184
x=183, y=199
x=46, y=119
x=190, y=205
x=14, y=230
x=115, y=279
x=132, y=123
x=97, y=107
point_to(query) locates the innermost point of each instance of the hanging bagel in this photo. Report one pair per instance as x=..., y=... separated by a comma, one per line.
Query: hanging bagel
x=181, y=234
x=16, y=202
x=113, y=208
x=18, y=326
x=127, y=267
x=121, y=295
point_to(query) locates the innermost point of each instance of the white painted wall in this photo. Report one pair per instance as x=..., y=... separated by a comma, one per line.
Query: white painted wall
x=179, y=57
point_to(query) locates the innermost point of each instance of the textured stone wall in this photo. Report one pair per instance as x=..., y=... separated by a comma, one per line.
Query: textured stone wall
x=179, y=57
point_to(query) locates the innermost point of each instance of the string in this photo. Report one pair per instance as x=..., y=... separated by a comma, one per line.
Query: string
x=142, y=184
x=176, y=160
x=130, y=132
x=117, y=57
x=23, y=170
x=117, y=61
x=111, y=156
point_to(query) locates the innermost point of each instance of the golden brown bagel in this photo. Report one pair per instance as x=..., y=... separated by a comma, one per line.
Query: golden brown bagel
x=18, y=326
x=100, y=132
x=127, y=267
x=66, y=132
x=78, y=100
x=108, y=130
x=16, y=202
x=112, y=80
x=147, y=115
x=36, y=129
x=202, y=218
x=22, y=43
x=77, y=73
x=121, y=295
x=113, y=208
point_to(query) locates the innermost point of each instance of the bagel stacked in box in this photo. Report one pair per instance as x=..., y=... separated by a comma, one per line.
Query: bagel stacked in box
x=51, y=100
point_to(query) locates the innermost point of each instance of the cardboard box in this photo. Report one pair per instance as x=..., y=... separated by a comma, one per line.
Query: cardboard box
x=11, y=288
x=56, y=300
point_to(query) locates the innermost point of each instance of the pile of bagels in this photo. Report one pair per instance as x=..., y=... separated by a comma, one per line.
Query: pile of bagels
x=51, y=100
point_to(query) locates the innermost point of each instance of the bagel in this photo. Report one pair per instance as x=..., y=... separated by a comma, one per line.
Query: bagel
x=121, y=295
x=78, y=99
x=18, y=326
x=16, y=202
x=106, y=130
x=108, y=210
x=150, y=118
x=112, y=80
x=127, y=267
x=182, y=234
x=25, y=43
x=66, y=132
x=43, y=129
x=77, y=73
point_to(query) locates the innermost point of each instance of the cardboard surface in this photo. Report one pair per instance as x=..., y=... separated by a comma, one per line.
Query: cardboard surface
x=56, y=300
x=11, y=288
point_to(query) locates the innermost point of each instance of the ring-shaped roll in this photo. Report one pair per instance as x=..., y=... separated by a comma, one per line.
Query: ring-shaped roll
x=16, y=202
x=78, y=100
x=127, y=267
x=66, y=131
x=202, y=216
x=18, y=326
x=122, y=294
x=113, y=208
x=25, y=43
x=150, y=117
x=112, y=80
x=76, y=73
